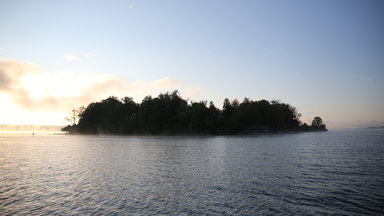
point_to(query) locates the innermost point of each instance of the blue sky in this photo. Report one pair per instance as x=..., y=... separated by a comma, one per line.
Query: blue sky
x=324, y=57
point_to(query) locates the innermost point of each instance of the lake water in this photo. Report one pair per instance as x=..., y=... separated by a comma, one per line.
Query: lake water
x=336, y=172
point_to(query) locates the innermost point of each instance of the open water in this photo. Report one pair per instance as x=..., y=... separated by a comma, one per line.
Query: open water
x=330, y=173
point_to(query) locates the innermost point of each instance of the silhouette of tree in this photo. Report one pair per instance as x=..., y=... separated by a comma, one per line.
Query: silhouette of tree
x=75, y=115
x=317, y=122
x=168, y=113
x=227, y=107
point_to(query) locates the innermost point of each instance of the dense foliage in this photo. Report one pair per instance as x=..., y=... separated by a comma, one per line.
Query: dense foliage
x=170, y=114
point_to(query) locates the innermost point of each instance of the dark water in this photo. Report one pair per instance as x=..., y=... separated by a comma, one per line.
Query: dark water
x=339, y=173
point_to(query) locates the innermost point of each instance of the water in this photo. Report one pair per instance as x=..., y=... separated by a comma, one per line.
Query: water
x=340, y=173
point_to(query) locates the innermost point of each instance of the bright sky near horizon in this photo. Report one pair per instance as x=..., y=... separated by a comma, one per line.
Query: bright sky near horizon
x=324, y=57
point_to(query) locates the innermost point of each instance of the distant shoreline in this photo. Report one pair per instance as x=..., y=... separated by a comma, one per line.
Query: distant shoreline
x=375, y=127
x=10, y=128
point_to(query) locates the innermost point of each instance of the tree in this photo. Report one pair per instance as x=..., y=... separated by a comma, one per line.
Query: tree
x=317, y=122
x=226, y=104
x=73, y=119
x=127, y=100
x=168, y=113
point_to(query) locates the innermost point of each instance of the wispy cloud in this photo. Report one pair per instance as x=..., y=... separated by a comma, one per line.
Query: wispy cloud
x=131, y=4
x=32, y=88
x=89, y=55
x=11, y=73
x=70, y=57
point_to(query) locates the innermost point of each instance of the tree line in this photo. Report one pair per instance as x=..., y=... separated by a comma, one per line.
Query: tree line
x=168, y=113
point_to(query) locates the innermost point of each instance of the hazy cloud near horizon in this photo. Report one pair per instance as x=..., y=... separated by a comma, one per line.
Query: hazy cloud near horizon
x=31, y=94
x=32, y=88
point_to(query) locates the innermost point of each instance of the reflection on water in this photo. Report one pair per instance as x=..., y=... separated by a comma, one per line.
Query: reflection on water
x=294, y=174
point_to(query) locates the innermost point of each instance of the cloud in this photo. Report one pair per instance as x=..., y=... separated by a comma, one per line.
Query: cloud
x=31, y=88
x=89, y=55
x=167, y=82
x=12, y=79
x=12, y=71
x=192, y=92
x=70, y=57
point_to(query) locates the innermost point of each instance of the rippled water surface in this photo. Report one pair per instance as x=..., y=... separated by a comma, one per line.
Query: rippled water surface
x=339, y=173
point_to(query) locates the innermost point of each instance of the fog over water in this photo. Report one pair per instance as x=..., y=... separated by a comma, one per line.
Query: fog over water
x=336, y=172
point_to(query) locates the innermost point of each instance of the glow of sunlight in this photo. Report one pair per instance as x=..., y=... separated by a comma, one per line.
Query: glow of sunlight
x=30, y=95
x=13, y=114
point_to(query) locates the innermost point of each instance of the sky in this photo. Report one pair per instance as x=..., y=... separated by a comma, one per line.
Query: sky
x=324, y=57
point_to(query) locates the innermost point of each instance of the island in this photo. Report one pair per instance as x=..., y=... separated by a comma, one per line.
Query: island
x=170, y=114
